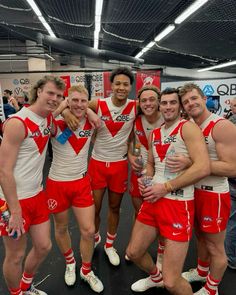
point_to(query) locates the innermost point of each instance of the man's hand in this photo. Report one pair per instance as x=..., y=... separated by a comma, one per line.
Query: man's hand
x=71, y=121
x=16, y=225
x=178, y=162
x=153, y=192
x=93, y=118
x=135, y=166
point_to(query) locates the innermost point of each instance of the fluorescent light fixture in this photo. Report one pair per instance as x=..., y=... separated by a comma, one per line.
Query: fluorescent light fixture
x=139, y=54
x=164, y=33
x=7, y=55
x=10, y=59
x=224, y=65
x=98, y=13
x=40, y=17
x=190, y=10
x=98, y=9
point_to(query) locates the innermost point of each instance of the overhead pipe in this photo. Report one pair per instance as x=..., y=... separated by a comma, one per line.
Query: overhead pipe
x=73, y=48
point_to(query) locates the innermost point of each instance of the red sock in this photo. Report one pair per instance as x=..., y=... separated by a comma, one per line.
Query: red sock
x=110, y=240
x=211, y=285
x=156, y=275
x=69, y=256
x=202, y=267
x=86, y=267
x=161, y=248
x=15, y=291
x=26, y=281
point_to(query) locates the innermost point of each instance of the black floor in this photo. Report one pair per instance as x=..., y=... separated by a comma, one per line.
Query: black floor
x=116, y=280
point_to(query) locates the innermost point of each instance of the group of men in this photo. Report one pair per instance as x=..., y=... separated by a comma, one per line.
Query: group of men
x=203, y=159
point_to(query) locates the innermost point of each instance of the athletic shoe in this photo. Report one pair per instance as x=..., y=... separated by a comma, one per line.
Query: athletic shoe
x=159, y=261
x=34, y=291
x=145, y=284
x=112, y=255
x=98, y=242
x=193, y=276
x=70, y=274
x=93, y=281
x=204, y=291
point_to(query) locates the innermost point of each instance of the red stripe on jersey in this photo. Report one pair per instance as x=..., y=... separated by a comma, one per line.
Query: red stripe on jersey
x=161, y=149
x=141, y=133
x=114, y=127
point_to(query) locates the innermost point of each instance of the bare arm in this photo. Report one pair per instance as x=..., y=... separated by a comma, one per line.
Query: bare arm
x=224, y=134
x=200, y=167
x=14, y=133
x=198, y=153
x=63, y=105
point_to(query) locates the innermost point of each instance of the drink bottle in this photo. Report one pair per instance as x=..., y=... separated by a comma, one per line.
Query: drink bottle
x=139, y=158
x=63, y=137
x=5, y=216
x=167, y=173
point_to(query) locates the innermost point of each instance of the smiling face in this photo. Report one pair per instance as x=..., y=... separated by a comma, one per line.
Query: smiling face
x=193, y=103
x=170, y=107
x=121, y=88
x=78, y=103
x=148, y=102
x=49, y=97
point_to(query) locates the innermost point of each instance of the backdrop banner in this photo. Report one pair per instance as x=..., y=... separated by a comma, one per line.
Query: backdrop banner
x=218, y=93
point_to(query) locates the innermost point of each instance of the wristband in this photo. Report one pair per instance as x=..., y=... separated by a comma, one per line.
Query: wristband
x=169, y=188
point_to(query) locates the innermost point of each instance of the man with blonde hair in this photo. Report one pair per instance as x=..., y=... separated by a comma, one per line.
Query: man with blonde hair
x=68, y=186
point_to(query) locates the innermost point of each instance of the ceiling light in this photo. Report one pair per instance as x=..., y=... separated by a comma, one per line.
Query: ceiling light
x=98, y=13
x=7, y=55
x=224, y=65
x=10, y=59
x=190, y=10
x=41, y=18
x=165, y=32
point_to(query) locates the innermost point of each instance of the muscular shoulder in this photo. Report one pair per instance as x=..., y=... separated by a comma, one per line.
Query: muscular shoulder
x=223, y=131
x=191, y=130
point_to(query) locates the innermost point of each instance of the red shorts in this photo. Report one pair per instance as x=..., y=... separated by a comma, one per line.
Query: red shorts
x=113, y=175
x=34, y=211
x=134, y=191
x=173, y=219
x=61, y=195
x=212, y=211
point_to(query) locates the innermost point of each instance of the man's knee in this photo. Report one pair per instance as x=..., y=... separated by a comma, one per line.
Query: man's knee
x=88, y=232
x=44, y=247
x=133, y=252
x=15, y=257
x=170, y=282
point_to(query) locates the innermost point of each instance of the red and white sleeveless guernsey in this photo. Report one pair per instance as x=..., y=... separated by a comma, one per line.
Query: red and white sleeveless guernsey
x=31, y=157
x=163, y=140
x=218, y=184
x=70, y=159
x=142, y=130
x=111, y=144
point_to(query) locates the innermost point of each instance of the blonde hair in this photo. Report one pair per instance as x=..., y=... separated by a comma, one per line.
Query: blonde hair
x=78, y=88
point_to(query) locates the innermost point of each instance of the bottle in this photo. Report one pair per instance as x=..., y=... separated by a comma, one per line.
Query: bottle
x=167, y=172
x=5, y=216
x=63, y=137
x=147, y=180
x=139, y=158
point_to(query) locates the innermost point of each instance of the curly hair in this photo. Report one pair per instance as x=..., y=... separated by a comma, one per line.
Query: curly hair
x=60, y=84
